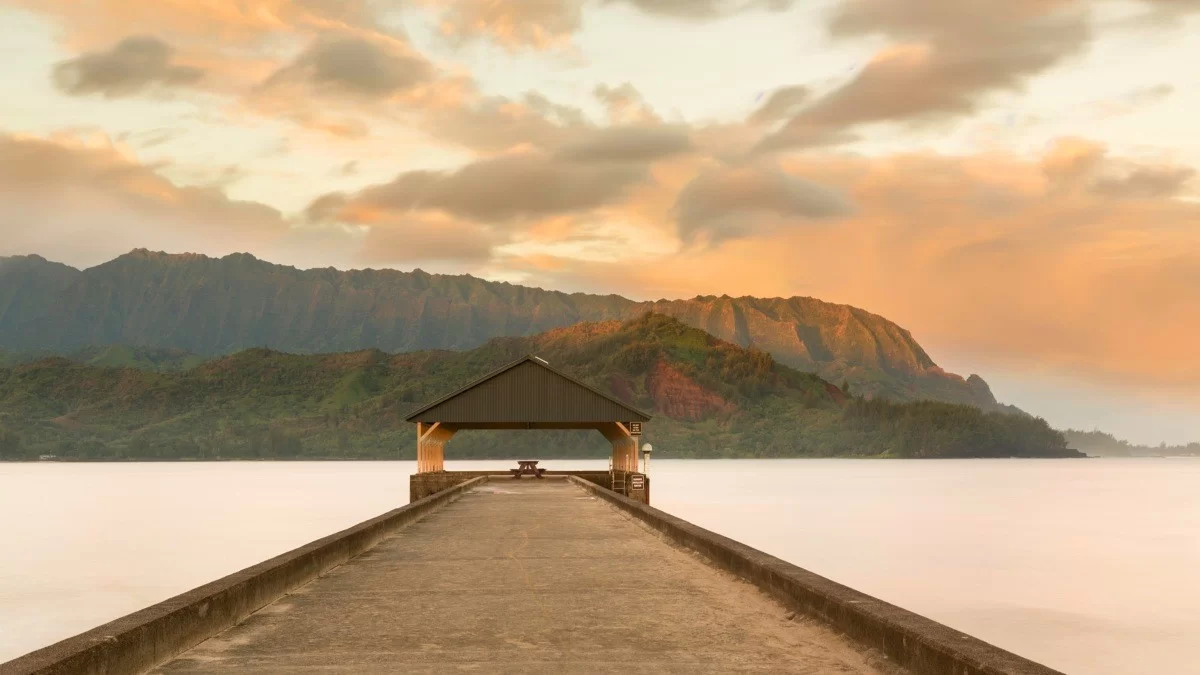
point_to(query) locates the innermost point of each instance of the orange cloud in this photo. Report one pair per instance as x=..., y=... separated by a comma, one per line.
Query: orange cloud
x=547, y=24
x=540, y=24
x=85, y=197
x=228, y=23
x=336, y=45
x=993, y=255
x=426, y=237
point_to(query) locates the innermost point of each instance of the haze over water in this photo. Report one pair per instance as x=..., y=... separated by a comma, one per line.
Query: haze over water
x=1089, y=566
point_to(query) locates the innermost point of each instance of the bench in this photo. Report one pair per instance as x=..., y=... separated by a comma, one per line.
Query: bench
x=527, y=467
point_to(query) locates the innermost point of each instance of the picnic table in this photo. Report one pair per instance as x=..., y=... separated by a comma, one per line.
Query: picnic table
x=527, y=467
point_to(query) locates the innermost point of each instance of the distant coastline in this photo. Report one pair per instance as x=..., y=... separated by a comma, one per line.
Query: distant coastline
x=547, y=458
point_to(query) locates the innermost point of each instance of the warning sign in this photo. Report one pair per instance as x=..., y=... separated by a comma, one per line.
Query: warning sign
x=635, y=428
x=637, y=482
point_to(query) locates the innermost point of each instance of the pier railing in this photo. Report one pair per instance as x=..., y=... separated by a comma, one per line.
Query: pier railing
x=137, y=642
x=910, y=640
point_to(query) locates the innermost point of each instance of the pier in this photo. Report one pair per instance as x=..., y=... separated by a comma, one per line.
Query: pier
x=496, y=572
x=524, y=576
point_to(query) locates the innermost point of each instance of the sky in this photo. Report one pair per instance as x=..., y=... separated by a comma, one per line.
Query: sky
x=1014, y=182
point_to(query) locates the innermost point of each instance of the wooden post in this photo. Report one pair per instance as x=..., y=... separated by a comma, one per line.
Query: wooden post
x=420, y=446
x=429, y=446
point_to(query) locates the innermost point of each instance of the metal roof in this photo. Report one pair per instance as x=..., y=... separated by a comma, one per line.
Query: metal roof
x=527, y=391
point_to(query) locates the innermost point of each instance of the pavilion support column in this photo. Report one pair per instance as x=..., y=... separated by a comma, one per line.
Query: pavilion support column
x=436, y=438
x=623, y=454
x=430, y=438
x=420, y=447
x=624, y=446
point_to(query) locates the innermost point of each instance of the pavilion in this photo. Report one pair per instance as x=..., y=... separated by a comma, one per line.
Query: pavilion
x=525, y=394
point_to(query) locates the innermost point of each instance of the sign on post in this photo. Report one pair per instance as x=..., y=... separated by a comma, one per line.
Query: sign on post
x=637, y=482
x=635, y=428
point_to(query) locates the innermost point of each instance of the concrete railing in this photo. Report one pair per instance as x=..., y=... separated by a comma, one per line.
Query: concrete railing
x=144, y=639
x=912, y=641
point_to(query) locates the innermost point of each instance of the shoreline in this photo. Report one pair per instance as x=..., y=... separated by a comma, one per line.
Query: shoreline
x=540, y=458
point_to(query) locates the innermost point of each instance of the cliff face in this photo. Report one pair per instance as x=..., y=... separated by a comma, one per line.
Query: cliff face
x=29, y=286
x=838, y=342
x=213, y=306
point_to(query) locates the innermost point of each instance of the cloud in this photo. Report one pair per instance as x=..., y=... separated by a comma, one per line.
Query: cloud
x=1082, y=165
x=236, y=44
x=737, y=201
x=1070, y=157
x=997, y=257
x=1149, y=95
x=1170, y=10
x=351, y=87
x=428, y=240
x=781, y=104
x=628, y=144
x=490, y=124
x=545, y=24
x=92, y=200
x=1145, y=182
x=130, y=67
x=512, y=24
x=624, y=104
x=704, y=9
x=943, y=59
x=1129, y=102
x=218, y=24
x=354, y=66
x=515, y=187
x=516, y=197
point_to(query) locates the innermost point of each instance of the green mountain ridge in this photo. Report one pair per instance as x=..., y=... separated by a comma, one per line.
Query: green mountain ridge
x=113, y=356
x=217, y=306
x=710, y=398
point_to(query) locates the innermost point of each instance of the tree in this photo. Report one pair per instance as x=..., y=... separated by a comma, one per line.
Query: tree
x=10, y=444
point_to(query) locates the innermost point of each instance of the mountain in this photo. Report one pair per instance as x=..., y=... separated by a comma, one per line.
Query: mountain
x=710, y=398
x=213, y=307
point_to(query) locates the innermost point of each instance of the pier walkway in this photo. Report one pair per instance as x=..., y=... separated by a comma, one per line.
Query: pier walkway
x=525, y=576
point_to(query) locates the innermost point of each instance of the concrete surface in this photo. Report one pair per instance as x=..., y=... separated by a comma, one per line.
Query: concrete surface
x=908, y=640
x=138, y=641
x=526, y=576
x=421, y=485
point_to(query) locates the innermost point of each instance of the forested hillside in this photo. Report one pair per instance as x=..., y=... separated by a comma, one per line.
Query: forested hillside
x=710, y=398
x=1102, y=444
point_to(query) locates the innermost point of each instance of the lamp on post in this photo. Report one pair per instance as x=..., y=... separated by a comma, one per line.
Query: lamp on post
x=646, y=450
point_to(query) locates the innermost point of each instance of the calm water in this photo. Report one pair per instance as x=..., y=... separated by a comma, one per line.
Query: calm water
x=1090, y=566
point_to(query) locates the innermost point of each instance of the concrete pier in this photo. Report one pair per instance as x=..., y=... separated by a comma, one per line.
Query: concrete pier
x=553, y=575
x=528, y=576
